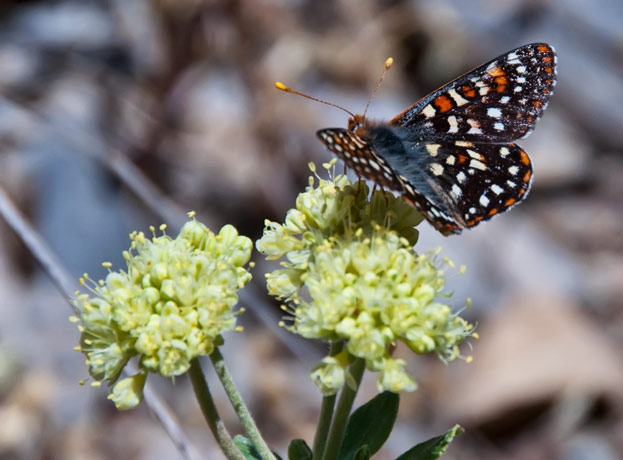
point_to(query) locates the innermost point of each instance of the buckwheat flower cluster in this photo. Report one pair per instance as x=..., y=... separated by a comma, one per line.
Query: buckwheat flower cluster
x=350, y=273
x=171, y=305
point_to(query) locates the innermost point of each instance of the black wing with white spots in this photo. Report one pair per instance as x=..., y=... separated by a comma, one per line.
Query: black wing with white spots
x=499, y=101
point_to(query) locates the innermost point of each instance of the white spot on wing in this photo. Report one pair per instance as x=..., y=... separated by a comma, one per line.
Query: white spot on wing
x=498, y=126
x=433, y=149
x=474, y=155
x=454, y=125
x=495, y=188
x=504, y=151
x=514, y=169
x=521, y=69
x=456, y=190
x=436, y=169
x=475, y=127
x=478, y=165
x=429, y=111
x=494, y=112
x=450, y=160
x=457, y=98
x=484, y=201
x=461, y=177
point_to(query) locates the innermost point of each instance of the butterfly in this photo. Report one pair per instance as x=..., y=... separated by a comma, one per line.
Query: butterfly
x=452, y=154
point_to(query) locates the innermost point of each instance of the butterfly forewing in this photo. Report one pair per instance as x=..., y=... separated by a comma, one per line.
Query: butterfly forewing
x=360, y=156
x=499, y=101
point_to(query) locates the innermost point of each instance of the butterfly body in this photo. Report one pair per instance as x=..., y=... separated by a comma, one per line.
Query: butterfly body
x=451, y=155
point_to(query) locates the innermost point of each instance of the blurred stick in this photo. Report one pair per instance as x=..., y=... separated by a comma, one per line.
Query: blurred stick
x=61, y=279
x=113, y=159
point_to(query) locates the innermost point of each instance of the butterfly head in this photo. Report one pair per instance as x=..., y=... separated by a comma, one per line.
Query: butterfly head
x=359, y=125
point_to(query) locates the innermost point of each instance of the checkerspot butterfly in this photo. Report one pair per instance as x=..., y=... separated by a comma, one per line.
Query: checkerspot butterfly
x=452, y=154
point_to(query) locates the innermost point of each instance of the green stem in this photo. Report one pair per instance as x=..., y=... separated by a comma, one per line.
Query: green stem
x=326, y=412
x=202, y=392
x=344, y=406
x=241, y=409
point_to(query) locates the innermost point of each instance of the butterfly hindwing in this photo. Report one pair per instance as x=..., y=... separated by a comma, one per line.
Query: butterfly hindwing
x=459, y=184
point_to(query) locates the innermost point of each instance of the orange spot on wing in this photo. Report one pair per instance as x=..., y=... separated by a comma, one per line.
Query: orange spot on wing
x=526, y=177
x=548, y=70
x=462, y=159
x=474, y=221
x=537, y=103
x=443, y=102
x=469, y=92
x=543, y=48
x=496, y=72
x=493, y=211
x=510, y=202
x=547, y=59
x=502, y=81
x=523, y=157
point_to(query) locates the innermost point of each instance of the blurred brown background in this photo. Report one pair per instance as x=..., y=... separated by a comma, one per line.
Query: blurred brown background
x=119, y=114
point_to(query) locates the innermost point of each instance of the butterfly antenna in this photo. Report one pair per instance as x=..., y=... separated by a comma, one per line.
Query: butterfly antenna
x=282, y=87
x=388, y=64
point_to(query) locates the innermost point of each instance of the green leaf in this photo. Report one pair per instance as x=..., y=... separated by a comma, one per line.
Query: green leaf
x=299, y=450
x=246, y=447
x=370, y=425
x=434, y=447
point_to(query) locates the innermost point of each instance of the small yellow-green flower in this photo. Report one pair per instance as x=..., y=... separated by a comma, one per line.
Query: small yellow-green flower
x=350, y=273
x=171, y=305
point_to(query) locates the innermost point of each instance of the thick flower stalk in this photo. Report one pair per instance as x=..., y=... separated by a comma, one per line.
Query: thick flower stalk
x=350, y=273
x=171, y=305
